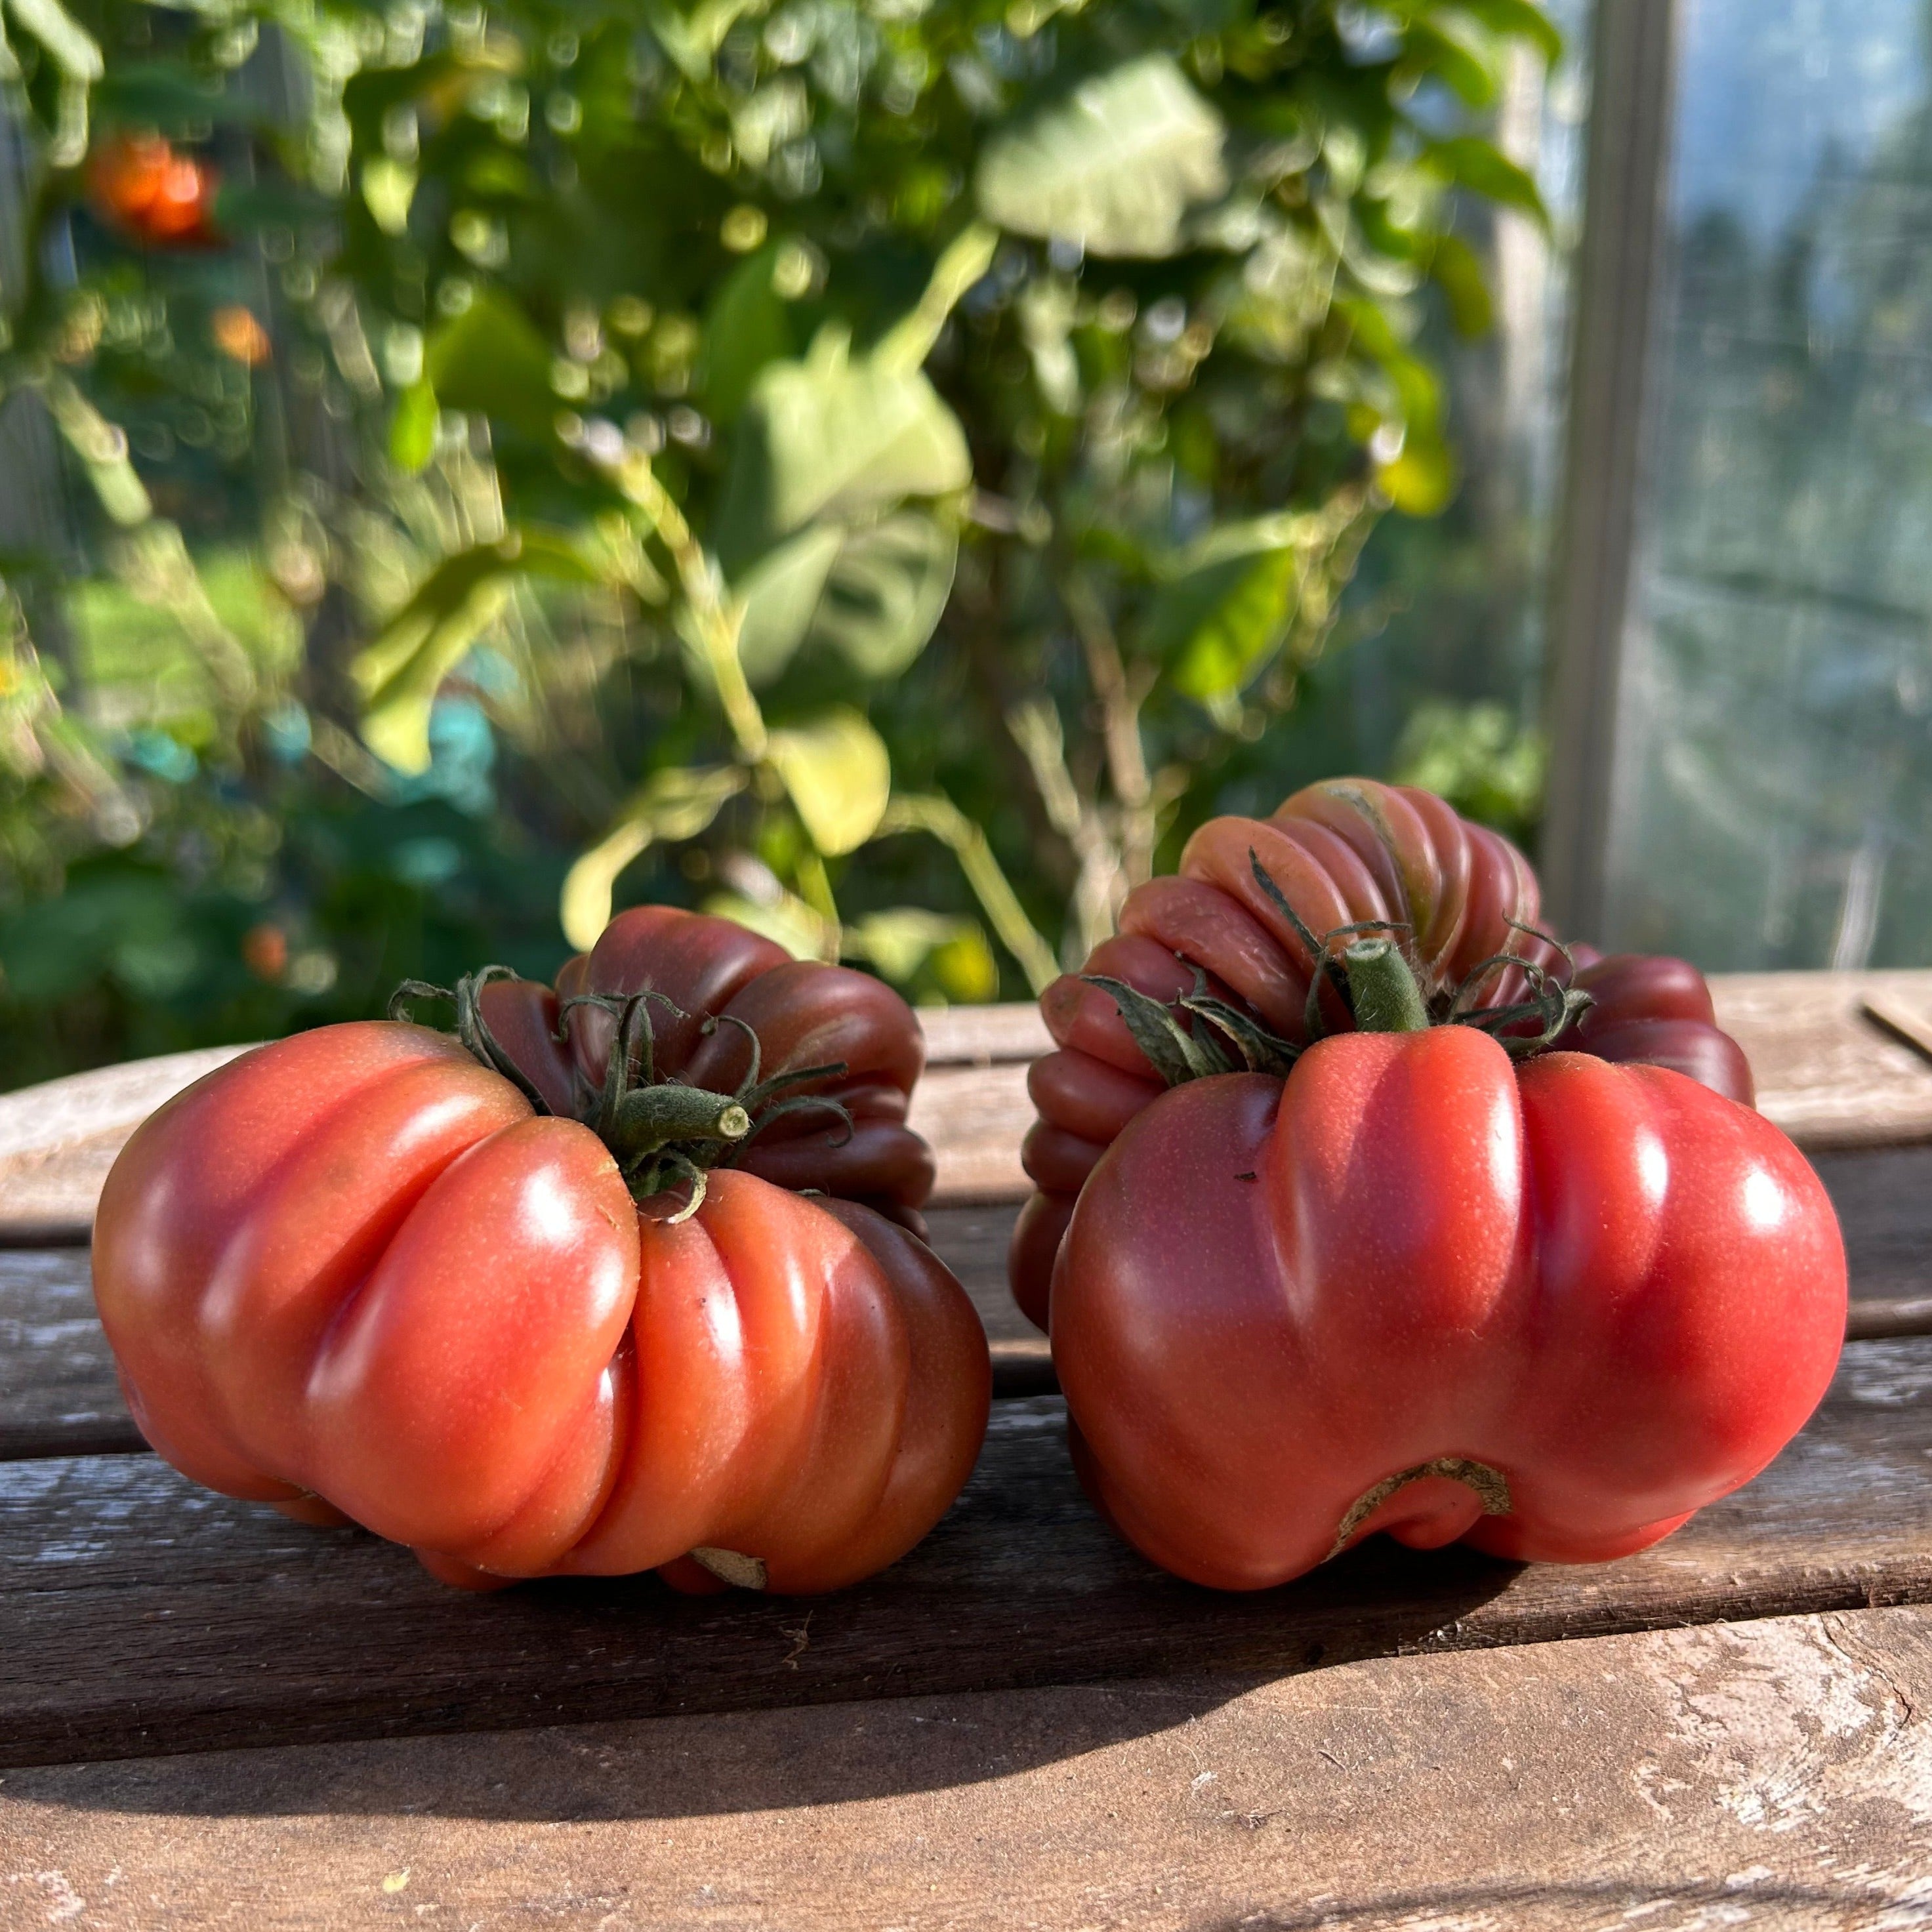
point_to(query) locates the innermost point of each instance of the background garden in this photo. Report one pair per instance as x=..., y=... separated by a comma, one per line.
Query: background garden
x=885, y=471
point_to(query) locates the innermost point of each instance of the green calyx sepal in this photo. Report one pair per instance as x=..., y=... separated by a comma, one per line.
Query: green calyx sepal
x=1375, y=979
x=662, y=1133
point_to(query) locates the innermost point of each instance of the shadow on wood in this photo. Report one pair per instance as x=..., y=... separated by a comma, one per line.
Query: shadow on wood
x=140, y=1615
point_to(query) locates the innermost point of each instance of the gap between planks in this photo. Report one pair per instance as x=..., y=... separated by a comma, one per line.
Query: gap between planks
x=140, y=1615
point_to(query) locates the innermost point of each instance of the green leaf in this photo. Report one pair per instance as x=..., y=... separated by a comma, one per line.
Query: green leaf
x=886, y=592
x=1226, y=607
x=401, y=671
x=1485, y=169
x=1460, y=68
x=839, y=776
x=786, y=921
x=748, y=326
x=872, y=596
x=412, y=428
x=1459, y=273
x=1114, y=166
x=491, y=359
x=1521, y=19
x=898, y=942
x=835, y=437
x=679, y=802
x=780, y=595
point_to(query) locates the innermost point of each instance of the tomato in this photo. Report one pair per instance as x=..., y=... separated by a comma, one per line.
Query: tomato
x=713, y=987
x=533, y=1322
x=1335, y=857
x=154, y=193
x=1549, y=1308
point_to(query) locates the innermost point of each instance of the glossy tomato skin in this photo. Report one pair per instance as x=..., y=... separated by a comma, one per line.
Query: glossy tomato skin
x=1619, y=1291
x=354, y=1274
x=1340, y=852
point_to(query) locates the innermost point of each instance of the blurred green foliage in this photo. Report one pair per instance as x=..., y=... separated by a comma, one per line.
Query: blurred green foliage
x=877, y=469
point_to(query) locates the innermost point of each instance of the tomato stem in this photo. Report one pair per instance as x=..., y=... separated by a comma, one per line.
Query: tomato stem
x=1382, y=989
x=662, y=1132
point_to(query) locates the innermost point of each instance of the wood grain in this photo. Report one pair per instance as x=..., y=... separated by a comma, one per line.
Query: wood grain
x=59, y=1395
x=1773, y=1774
x=139, y=1614
x=1826, y=1072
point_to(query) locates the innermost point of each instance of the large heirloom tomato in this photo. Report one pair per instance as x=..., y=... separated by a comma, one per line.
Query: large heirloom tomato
x=1549, y=1307
x=548, y=1298
x=1240, y=925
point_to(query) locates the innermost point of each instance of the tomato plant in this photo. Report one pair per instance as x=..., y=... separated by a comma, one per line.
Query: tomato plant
x=546, y=1297
x=1548, y=1306
x=1230, y=943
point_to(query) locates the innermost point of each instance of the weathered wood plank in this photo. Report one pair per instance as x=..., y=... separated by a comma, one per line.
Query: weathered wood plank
x=984, y=1036
x=139, y=1615
x=974, y=1118
x=1884, y=1199
x=1826, y=1072
x=1775, y=1773
x=59, y=1395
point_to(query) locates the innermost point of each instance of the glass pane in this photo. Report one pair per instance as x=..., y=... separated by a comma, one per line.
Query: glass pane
x=1773, y=794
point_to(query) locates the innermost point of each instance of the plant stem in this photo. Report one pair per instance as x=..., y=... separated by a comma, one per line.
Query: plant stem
x=1120, y=715
x=716, y=626
x=1382, y=989
x=935, y=814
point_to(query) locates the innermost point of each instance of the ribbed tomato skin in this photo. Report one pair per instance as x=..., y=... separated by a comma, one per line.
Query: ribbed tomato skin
x=356, y=1274
x=1341, y=852
x=1619, y=1292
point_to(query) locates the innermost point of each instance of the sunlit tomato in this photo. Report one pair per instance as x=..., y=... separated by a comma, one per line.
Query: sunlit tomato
x=1336, y=856
x=825, y=1034
x=532, y=1322
x=154, y=192
x=1549, y=1309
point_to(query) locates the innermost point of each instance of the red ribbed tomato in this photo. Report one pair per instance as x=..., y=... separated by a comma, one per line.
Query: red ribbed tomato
x=533, y=1305
x=1335, y=856
x=1550, y=1308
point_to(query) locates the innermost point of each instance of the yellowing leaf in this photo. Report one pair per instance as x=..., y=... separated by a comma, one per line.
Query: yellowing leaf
x=786, y=922
x=678, y=803
x=778, y=596
x=1115, y=167
x=839, y=776
x=836, y=437
x=1420, y=482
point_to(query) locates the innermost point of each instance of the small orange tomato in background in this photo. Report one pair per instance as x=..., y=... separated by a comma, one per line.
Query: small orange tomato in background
x=265, y=951
x=239, y=335
x=154, y=193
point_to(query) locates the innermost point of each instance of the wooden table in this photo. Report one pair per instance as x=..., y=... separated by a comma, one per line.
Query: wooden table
x=209, y=1714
